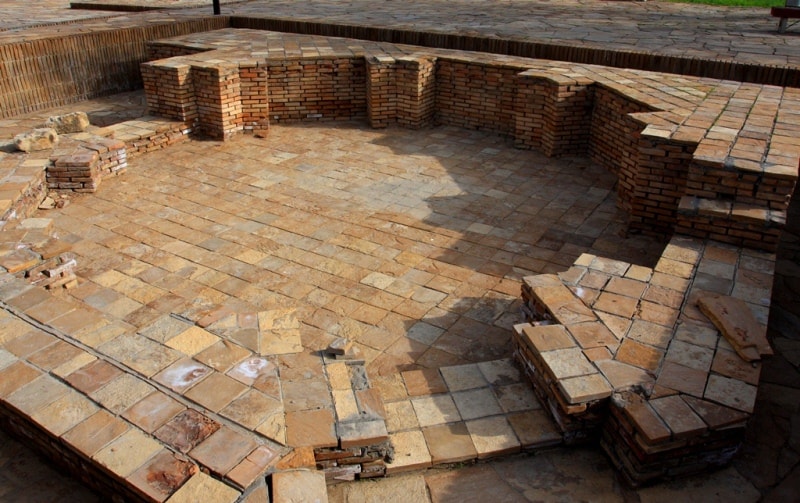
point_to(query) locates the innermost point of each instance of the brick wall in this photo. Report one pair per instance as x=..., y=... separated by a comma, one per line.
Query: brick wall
x=685, y=65
x=317, y=89
x=381, y=91
x=217, y=91
x=553, y=113
x=254, y=97
x=475, y=95
x=169, y=90
x=416, y=91
x=730, y=222
x=56, y=71
x=658, y=184
x=614, y=139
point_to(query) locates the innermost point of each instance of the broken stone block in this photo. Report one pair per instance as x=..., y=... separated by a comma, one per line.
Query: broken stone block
x=735, y=320
x=36, y=140
x=353, y=355
x=339, y=346
x=48, y=203
x=19, y=260
x=75, y=122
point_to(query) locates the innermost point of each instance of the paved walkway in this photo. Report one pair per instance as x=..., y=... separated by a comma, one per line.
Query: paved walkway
x=741, y=34
x=746, y=35
x=769, y=460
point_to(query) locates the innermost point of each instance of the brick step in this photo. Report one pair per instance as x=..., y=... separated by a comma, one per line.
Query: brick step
x=736, y=223
x=80, y=162
x=22, y=184
x=753, y=183
x=546, y=298
x=30, y=249
x=669, y=436
x=146, y=134
x=667, y=395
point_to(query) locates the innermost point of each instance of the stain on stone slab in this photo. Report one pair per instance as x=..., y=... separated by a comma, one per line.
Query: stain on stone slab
x=186, y=430
x=163, y=475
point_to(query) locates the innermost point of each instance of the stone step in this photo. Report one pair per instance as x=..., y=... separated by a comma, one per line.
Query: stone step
x=753, y=183
x=462, y=413
x=22, y=183
x=670, y=396
x=736, y=223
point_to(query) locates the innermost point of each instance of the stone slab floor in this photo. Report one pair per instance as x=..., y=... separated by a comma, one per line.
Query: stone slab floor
x=410, y=243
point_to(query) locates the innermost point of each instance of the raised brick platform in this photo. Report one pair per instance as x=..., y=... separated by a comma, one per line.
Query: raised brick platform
x=622, y=352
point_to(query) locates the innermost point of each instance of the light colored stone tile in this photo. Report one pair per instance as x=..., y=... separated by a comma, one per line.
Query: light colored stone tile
x=731, y=392
x=535, y=428
x=344, y=402
x=395, y=489
x=64, y=413
x=127, y=453
x=476, y=403
x=516, y=397
x=37, y=394
x=437, y=409
x=192, y=341
x=500, y=372
x=678, y=416
x=410, y=452
x=449, y=443
x=7, y=358
x=493, y=436
x=585, y=388
x=690, y=355
x=547, y=337
x=72, y=365
x=564, y=363
x=202, y=487
x=621, y=375
x=424, y=333
x=122, y=392
x=400, y=416
x=462, y=377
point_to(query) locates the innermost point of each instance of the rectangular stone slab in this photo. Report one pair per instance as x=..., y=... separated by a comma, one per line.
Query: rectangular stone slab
x=736, y=322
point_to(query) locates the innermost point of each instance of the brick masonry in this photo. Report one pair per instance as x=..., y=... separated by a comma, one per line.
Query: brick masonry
x=697, y=163
x=54, y=71
x=80, y=166
x=622, y=352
